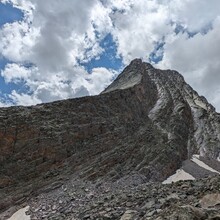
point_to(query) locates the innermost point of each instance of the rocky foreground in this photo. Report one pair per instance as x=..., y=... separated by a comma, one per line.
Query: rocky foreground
x=128, y=199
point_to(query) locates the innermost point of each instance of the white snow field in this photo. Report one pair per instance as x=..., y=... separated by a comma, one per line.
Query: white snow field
x=195, y=159
x=179, y=175
x=20, y=214
x=182, y=175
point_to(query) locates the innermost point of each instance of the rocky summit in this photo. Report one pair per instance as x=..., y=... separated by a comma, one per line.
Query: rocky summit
x=106, y=156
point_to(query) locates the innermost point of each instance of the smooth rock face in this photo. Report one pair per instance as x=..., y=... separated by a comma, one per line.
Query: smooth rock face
x=148, y=121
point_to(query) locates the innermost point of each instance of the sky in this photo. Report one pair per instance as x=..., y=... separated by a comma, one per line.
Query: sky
x=52, y=50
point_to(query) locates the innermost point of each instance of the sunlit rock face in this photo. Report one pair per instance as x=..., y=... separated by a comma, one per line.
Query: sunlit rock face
x=148, y=121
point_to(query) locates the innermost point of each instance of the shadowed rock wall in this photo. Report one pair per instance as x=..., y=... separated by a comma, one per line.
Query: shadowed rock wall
x=147, y=121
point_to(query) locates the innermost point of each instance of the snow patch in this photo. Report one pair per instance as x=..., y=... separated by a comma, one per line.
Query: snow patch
x=21, y=214
x=179, y=175
x=195, y=159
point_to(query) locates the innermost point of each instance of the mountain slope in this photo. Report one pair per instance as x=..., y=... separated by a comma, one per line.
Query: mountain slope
x=147, y=122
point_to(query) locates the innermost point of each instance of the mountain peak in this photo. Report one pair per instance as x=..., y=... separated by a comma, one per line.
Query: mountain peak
x=146, y=124
x=131, y=76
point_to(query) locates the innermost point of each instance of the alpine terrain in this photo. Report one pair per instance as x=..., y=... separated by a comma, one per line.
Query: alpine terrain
x=117, y=155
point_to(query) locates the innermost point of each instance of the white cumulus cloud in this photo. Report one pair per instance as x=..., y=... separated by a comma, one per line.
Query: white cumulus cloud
x=47, y=48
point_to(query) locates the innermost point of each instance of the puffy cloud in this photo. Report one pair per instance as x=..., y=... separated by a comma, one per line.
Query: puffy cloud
x=198, y=59
x=52, y=35
x=16, y=41
x=195, y=15
x=14, y=73
x=99, y=79
x=139, y=27
x=47, y=48
x=60, y=86
x=23, y=99
x=47, y=45
x=63, y=28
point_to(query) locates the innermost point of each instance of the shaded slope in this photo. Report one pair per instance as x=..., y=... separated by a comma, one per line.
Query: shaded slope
x=148, y=121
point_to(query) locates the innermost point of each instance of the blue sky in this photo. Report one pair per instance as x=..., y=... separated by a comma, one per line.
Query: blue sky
x=8, y=14
x=108, y=58
x=51, y=51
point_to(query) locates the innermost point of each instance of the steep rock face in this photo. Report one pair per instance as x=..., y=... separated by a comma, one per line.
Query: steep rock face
x=147, y=121
x=178, y=97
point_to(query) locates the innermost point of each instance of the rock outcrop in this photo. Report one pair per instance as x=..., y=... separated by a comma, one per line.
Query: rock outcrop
x=147, y=122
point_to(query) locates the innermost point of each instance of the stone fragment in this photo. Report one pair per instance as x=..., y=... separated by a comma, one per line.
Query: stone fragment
x=210, y=200
x=151, y=213
x=128, y=215
x=148, y=205
x=188, y=212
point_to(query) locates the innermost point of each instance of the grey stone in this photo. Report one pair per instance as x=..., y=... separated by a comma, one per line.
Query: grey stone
x=149, y=205
x=210, y=200
x=129, y=215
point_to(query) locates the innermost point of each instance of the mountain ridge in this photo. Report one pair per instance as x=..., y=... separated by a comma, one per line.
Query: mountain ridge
x=147, y=122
